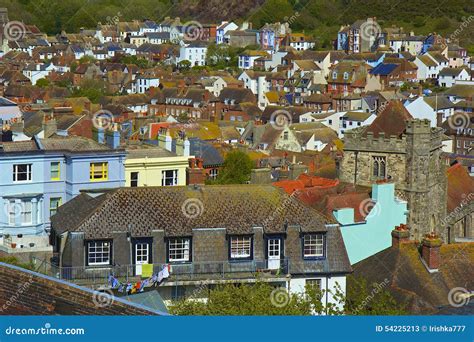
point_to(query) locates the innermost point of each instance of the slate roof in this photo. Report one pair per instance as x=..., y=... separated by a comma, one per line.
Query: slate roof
x=438, y=102
x=383, y=69
x=72, y=144
x=410, y=282
x=206, y=151
x=237, y=208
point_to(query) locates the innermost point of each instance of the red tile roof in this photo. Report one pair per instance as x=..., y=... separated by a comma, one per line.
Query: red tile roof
x=460, y=186
x=392, y=120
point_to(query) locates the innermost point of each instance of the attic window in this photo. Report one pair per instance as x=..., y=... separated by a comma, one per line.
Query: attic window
x=346, y=76
x=334, y=75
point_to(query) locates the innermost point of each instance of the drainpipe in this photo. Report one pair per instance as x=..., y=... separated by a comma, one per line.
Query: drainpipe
x=327, y=283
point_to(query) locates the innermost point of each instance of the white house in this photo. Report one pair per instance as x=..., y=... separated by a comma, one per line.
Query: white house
x=257, y=83
x=448, y=76
x=144, y=82
x=354, y=119
x=38, y=71
x=248, y=58
x=9, y=110
x=427, y=107
x=427, y=68
x=194, y=52
x=222, y=29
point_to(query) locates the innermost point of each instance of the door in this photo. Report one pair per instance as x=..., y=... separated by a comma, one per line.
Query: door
x=142, y=256
x=274, y=253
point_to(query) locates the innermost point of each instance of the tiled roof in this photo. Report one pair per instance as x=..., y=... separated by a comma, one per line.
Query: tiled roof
x=392, y=120
x=19, y=146
x=460, y=186
x=237, y=208
x=72, y=144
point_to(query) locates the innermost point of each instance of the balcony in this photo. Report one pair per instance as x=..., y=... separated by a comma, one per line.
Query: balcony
x=186, y=272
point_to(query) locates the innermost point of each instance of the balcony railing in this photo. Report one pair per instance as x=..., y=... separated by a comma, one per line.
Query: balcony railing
x=193, y=271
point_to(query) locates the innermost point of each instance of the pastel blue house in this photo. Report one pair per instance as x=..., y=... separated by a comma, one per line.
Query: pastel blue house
x=366, y=238
x=39, y=175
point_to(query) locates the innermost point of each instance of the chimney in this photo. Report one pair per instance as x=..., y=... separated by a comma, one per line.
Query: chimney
x=430, y=254
x=195, y=173
x=50, y=126
x=182, y=147
x=400, y=235
x=439, y=119
x=113, y=137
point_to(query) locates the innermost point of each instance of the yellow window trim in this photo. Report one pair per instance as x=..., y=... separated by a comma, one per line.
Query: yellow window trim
x=59, y=171
x=102, y=167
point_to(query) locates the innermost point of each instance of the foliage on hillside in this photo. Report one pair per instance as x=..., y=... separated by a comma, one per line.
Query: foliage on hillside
x=320, y=18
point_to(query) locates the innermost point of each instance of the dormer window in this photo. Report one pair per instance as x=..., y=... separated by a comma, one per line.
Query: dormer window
x=334, y=75
x=346, y=75
x=240, y=247
x=313, y=246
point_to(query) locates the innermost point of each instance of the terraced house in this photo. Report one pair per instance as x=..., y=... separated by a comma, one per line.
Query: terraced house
x=208, y=234
x=39, y=175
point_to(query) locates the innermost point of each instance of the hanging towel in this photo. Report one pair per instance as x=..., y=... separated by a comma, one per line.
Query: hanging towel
x=147, y=270
x=166, y=272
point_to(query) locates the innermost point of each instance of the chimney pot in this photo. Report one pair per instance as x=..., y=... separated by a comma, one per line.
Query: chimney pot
x=400, y=235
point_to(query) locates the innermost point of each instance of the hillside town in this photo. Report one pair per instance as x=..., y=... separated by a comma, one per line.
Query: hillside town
x=147, y=161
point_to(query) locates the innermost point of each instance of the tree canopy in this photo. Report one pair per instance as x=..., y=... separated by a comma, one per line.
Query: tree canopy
x=236, y=170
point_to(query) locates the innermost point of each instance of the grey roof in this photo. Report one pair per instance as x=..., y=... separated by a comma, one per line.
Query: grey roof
x=202, y=149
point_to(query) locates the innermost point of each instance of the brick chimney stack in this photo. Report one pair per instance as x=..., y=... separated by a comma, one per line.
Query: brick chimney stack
x=430, y=251
x=400, y=235
x=195, y=172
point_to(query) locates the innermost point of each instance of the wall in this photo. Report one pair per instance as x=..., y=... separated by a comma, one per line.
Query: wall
x=364, y=239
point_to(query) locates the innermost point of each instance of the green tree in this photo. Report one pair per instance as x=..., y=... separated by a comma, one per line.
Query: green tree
x=237, y=168
x=184, y=65
x=42, y=83
x=93, y=89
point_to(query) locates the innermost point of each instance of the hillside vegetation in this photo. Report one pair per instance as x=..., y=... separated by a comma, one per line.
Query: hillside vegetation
x=322, y=18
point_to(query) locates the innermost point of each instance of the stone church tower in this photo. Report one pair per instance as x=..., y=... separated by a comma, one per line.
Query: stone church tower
x=408, y=152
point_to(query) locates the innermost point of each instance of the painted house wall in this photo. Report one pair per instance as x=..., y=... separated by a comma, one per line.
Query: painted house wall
x=364, y=239
x=150, y=169
x=329, y=286
x=74, y=177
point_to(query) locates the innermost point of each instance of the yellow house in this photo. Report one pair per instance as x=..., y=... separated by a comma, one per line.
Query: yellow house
x=147, y=165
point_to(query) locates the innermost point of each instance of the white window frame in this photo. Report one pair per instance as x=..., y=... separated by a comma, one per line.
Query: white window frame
x=213, y=173
x=312, y=281
x=26, y=209
x=274, y=249
x=240, y=247
x=11, y=213
x=16, y=173
x=177, y=246
x=101, y=251
x=313, y=245
x=173, y=178
x=142, y=252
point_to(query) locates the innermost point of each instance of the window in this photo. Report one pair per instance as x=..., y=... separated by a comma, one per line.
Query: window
x=334, y=75
x=346, y=76
x=55, y=171
x=169, y=177
x=379, y=167
x=99, y=171
x=285, y=135
x=26, y=212
x=54, y=204
x=134, y=179
x=240, y=247
x=98, y=253
x=179, y=249
x=330, y=122
x=313, y=283
x=213, y=173
x=142, y=253
x=21, y=172
x=11, y=213
x=313, y=245
x=274, y=248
